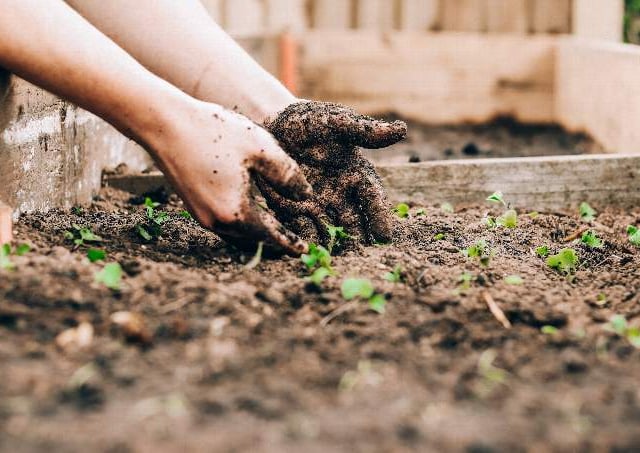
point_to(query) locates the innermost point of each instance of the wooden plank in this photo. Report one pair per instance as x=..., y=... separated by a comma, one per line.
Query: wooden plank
x=536, y=183
x=331, y=14
x=215, y=9
x=432, y=77
x=244, y=17
x=419, y=15
x=376, y=14
x=597, y=91
x=6, y=224
x=464, y=15
x=508, y=16
x=551, y=16
x=599, y=19
x=285, y=15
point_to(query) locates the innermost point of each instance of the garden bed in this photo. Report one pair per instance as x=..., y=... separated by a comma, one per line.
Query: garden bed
x=217, y=356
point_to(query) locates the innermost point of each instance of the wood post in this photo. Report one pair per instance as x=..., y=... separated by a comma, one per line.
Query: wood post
x=599, y=19
x=6, y=223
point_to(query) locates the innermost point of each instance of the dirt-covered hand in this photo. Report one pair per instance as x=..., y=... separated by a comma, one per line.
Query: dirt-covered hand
x=210, y=156
x=325, y=139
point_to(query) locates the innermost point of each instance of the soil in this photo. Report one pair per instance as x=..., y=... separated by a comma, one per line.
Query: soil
x=502, y=137
x=220, y=357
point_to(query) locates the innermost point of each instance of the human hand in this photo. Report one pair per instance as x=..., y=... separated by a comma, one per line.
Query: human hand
x=324, y=139
x=209, y=155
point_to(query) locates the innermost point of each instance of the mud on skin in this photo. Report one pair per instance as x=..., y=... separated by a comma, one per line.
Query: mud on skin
x=325, y=139
x=239, y=361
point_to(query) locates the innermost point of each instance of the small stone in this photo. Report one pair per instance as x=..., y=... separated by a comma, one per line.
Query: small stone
x=132, y=326
x=75, y=339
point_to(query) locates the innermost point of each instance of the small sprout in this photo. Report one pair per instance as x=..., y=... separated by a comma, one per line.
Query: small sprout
x=490, y=222
x=509, y=219
x=549, y=330
x=81, y=235
x=439, y=237
x=421, y=212
x=186, y=215
x=447, y=208
x=318, y=257
x=336, y=234
x=144, y=234
x=319, y=275
x=255, y=261
x=590, y=239
x=566, y=261
x=492, y=376
x=514, y=280
x=110, y=276
x=587, y=213
x=96, y=255
x=395, y=276
x=465, y=280
x=6, y=252
x=634, y=235
x=497, y=197
x=618, y=324
x=402, y=210
x=153, y=228
x=362, y=288
x=533, y=215
x=480, y=251
x=601, y=300
x=22, y=249
x=542, y=251
x=77, y=210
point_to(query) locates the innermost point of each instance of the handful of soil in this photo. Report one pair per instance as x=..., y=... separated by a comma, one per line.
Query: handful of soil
x=325, y=140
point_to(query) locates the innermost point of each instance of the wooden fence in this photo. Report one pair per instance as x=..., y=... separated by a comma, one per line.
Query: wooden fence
x=252, y=17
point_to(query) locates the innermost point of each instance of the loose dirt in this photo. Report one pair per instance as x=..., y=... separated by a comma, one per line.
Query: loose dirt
x=223, y=358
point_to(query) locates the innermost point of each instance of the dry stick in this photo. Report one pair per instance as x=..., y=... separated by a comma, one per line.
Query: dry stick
x=175, y=305
x=495, y=310
x=576, y=234
x=337, y=312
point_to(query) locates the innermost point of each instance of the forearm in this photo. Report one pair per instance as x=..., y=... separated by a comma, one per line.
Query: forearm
x=181, y=43
x=47, y=43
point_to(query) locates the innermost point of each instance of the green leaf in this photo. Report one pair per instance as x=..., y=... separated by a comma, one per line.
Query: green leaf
x=421, y=212
x=186, y=215
x=542, y=251
x=68, y=235
x=490, y=222
x=618, y=324
x=477, y=250
x=357, y=287
x=317, y=256
x=549, y=330
x=336, y=234
x=509, y=219
x=5, y=261
x=587, y=213
x=144, y=234
x=378, y=303
x=590, y=239
x=513, y=280
x=255, y=261
x=96, y=255
x=395, y=276
x=5, y=250
x=566, y=261
x=496, y=197
x=149, y=203
x=533, y=214
x=447, y=208
x=439, y=237
x=110, y=276
x=88, y=236
x=319, y=275
x=634, y=235
x=23, y=249
x=402, y=210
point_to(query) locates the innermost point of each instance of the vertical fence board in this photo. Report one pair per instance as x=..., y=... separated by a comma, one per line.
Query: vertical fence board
x=244, y=17
x=507, y=16
x=332, y=14
x=283, y=15
x=375, y=14
x=551, y=16
x=215, y=9
x=464, y=15
x=599, y=19
x=418, y=14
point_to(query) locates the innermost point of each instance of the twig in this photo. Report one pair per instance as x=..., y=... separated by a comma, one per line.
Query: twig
x=175, y=305
x=337, y=312
x=576, y=234
x=495, y=310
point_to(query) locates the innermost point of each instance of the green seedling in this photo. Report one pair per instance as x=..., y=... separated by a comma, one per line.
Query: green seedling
x=542, y=251
x=6, y=252
x=95, y=255
x=508, y=220
x=257, y=258
x=439, y=237
x=363, y=289
x=153, y=228
x=395, y=276
x=590, y=239
x=110, y=276
x=465, y=281
x=402, y=210
x=587, y=213
x=566, y=261
x=336, y=234
x=421, y=212
x=634, y=235
x=619, y=325
x=186, y=215
x=447, y=208
x=601, y=300
x=77, y=210
x=533, y=215
x=479, y=251
x=319, y=275
x=492, y=376
x=81, y=235
x=497, y=197
x=549, y=330
x=318, y=256
x=490, y=222
x=514, y=280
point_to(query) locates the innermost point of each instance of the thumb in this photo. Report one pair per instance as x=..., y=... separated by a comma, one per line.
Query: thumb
x=282, y=172
x=368, y=132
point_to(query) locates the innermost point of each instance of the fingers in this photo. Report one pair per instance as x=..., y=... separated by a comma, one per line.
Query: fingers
x=368, y=132
x=282, y=172
x=374, y=206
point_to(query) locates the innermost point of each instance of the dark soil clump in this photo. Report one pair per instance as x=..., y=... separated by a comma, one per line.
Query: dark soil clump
x=238, y=359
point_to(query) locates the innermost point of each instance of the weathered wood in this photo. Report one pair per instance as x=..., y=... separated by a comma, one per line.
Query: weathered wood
x=419, y=15
x=599, y=19
x=538, y=183
x=597, y=91
x=508, y=16
x=244, y=17
x=551, y=16
x=376, y=14
x=432, y=77
x=331, y=14
x=285, y=15
x=464, y=15
x=215, y=9
x=6, y=225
